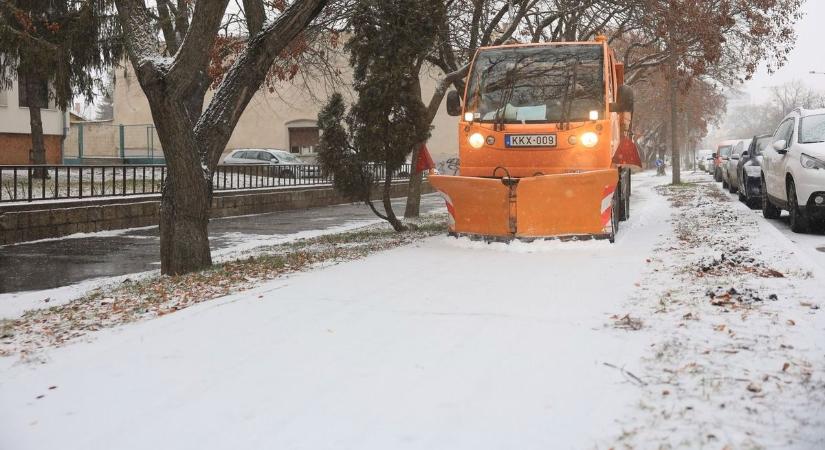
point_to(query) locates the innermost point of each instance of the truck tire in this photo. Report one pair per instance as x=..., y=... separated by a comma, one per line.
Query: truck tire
x=625, y=195
x=769, y=211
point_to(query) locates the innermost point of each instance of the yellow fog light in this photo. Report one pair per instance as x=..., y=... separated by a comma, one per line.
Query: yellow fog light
x=468, y=117
x=476, y=140
x=590, y=139
x=572, y=140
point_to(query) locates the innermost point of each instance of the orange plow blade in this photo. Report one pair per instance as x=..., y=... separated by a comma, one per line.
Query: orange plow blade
x=546, y=206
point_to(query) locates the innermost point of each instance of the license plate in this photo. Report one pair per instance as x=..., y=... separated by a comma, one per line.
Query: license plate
x=530, y=140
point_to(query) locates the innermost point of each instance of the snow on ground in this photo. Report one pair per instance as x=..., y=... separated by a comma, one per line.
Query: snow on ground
x=455, y=344
x=737, y=353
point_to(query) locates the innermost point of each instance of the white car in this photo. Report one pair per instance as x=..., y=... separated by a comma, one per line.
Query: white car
x=287, y=164
x=702, y=158
x=793, y=170
x=729, y=164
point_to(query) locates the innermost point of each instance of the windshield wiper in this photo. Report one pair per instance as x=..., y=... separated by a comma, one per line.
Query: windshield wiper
x=501, y=112
x=567, y=102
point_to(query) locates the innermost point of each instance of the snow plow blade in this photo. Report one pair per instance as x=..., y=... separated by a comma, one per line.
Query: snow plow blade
x=546, y=206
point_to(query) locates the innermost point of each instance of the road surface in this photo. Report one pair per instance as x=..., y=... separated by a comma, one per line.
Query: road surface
x=60, y=262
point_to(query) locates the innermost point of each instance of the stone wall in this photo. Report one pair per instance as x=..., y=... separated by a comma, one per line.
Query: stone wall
x=29, y=222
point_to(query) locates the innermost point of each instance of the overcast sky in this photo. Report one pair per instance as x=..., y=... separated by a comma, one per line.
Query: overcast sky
x=808, y=54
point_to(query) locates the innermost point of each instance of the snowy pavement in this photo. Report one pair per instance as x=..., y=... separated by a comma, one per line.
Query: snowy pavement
x=453, y=344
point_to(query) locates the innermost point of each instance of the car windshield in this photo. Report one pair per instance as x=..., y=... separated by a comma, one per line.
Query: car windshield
x=724, y=150
x=812, y=129
x=537, y=84
x=287, y=158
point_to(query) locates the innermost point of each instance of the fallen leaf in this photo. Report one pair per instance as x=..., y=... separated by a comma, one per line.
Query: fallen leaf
x=755, y=387
x=791, y=322
x=52, y=387
x=785, y=367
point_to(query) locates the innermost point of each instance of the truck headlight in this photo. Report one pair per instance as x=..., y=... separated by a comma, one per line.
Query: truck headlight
x=753, y=171
x=809, y=162
x=476, y=140
x=590, y=139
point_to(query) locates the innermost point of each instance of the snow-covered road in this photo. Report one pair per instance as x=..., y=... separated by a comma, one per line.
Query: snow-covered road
x=446, y=344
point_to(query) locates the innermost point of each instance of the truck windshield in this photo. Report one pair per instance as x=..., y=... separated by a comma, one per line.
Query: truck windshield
x=812, y=129
x=537, y=84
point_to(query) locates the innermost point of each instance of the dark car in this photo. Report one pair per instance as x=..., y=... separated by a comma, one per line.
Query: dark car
x=749, y=171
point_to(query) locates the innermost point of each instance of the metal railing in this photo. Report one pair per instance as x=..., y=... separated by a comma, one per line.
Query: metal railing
x=28, y=183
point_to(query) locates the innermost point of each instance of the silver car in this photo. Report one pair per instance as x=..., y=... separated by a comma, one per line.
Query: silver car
x=288, y=165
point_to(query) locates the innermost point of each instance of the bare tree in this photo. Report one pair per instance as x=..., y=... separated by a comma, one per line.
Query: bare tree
x=194, y=136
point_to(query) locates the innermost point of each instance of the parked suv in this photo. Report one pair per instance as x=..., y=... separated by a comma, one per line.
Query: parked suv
x=748, y=173
x=729, y=181
x=793, y=170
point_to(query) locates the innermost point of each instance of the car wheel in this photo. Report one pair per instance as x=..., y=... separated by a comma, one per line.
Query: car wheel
x=732, y=188
x=742, y=197
x=769, y=211
x=287, y=174
x=799, y=223
x=725, y=184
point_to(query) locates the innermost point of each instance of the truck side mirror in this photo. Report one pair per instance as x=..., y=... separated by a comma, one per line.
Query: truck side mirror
x=453, y=103
x=624, y=103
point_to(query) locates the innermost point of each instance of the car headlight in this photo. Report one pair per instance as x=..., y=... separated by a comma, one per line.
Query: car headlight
x=753, y=171
x=589, y=139
x=809, y=162
x=476, y=140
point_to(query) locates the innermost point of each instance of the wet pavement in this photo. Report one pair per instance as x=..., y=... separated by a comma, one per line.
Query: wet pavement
x=65, y=261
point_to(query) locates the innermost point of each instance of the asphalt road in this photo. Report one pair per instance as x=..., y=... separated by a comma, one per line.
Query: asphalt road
x=61, y=262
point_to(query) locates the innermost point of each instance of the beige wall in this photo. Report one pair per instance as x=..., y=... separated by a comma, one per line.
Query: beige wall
x=266, y=121
x=99, y=140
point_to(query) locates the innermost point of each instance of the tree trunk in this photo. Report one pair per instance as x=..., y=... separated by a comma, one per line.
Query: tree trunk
x=186, y=198
x=387, y=199
x=674, y=135
x=38, y=150
x=184, y=220
x=413, y=206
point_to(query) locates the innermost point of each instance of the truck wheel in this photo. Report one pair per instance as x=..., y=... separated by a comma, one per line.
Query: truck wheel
x=625, y=195
x=769, y=211
x=799, y=223
x=614, y=219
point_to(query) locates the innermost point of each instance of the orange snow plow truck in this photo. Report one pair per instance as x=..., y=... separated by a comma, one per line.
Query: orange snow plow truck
x=544, y=144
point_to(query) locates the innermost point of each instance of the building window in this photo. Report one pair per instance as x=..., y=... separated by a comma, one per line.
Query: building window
x=303, y=140
x=41, y=91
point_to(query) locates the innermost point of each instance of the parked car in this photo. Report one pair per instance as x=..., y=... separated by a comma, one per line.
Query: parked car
x=702, y=158
x=721, y=155
x=748, y=173
x=287, y=164
x=729, y=181
x=793, y=170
